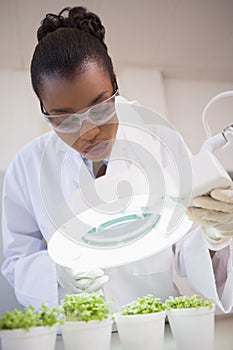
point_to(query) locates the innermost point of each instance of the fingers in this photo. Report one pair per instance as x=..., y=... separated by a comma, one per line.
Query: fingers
x=90, y=274
x=91, y=285
x=209, y=203
x=74, y=283
x=90, y=281
x=97, y=284
x=215, y=214
x=214, y=240
x=221, y=222
x=83, y=283
x=72, y=289
x=224, y=195
x=200, y=215
x=68, y=285
x=223, y=229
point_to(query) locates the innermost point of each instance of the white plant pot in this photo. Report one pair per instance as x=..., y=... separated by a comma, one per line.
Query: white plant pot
x=36, y=338
x=192, y=328
x=87, y=335
x=141, y=332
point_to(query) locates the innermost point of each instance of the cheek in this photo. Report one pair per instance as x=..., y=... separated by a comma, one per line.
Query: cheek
x=71, y=140
x=110, y=128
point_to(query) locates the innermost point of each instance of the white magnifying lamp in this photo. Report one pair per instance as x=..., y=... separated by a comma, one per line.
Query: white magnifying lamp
x=131, y=214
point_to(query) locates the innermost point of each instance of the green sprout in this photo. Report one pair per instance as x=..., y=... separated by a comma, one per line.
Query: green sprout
x=184, y=302
x=85, y=307
x=29, y=317
x=145, y=305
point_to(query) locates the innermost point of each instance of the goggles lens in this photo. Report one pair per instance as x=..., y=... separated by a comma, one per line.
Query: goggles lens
x=97, y=115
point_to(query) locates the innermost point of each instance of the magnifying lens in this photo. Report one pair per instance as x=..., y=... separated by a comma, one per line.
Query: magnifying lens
x=134, y=210
x=119, y=241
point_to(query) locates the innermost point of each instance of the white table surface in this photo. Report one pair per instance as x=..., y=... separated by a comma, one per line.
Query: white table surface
x=223, y=336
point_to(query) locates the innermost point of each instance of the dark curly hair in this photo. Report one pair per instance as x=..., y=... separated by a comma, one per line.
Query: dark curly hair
x=67, y=43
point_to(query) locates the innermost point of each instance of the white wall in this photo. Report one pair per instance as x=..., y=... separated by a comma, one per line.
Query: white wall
x=145, y=85
x=186, y=100
x=20, y=117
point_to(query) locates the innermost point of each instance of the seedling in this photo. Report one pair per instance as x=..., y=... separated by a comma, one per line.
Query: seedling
x=29, y=317
x=184, y=302
x=85, y=307
x=145, y=305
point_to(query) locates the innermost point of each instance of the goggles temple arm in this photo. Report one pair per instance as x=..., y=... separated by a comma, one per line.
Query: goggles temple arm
x=43, y=111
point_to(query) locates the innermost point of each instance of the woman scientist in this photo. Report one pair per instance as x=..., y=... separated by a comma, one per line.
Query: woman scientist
x=73, y=77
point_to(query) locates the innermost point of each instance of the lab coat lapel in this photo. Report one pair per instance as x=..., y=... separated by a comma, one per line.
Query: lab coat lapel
x=54, y=192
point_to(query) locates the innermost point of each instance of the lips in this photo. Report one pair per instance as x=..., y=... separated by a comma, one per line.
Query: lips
x=96, y=149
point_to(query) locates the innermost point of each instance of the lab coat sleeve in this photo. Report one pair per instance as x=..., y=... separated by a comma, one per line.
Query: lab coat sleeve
x=211, y=278
x=27, y=265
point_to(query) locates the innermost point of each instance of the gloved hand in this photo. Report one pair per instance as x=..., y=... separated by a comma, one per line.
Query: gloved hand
x=75, y=283
x=215, y=214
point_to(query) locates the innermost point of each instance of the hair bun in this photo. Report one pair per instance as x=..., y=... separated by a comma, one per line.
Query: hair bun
x=49, y=24
x=76, y=17
x=87, y=21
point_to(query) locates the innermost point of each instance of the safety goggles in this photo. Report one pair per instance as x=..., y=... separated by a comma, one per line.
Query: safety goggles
x=71, y=123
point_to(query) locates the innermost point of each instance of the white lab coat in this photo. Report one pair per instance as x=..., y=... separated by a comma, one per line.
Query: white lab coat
x=46, y=171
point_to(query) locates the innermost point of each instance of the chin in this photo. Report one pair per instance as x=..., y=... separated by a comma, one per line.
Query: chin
x=101, y=156
x=97, y=158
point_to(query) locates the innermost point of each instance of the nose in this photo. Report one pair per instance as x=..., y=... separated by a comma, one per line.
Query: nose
x=89, y=131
